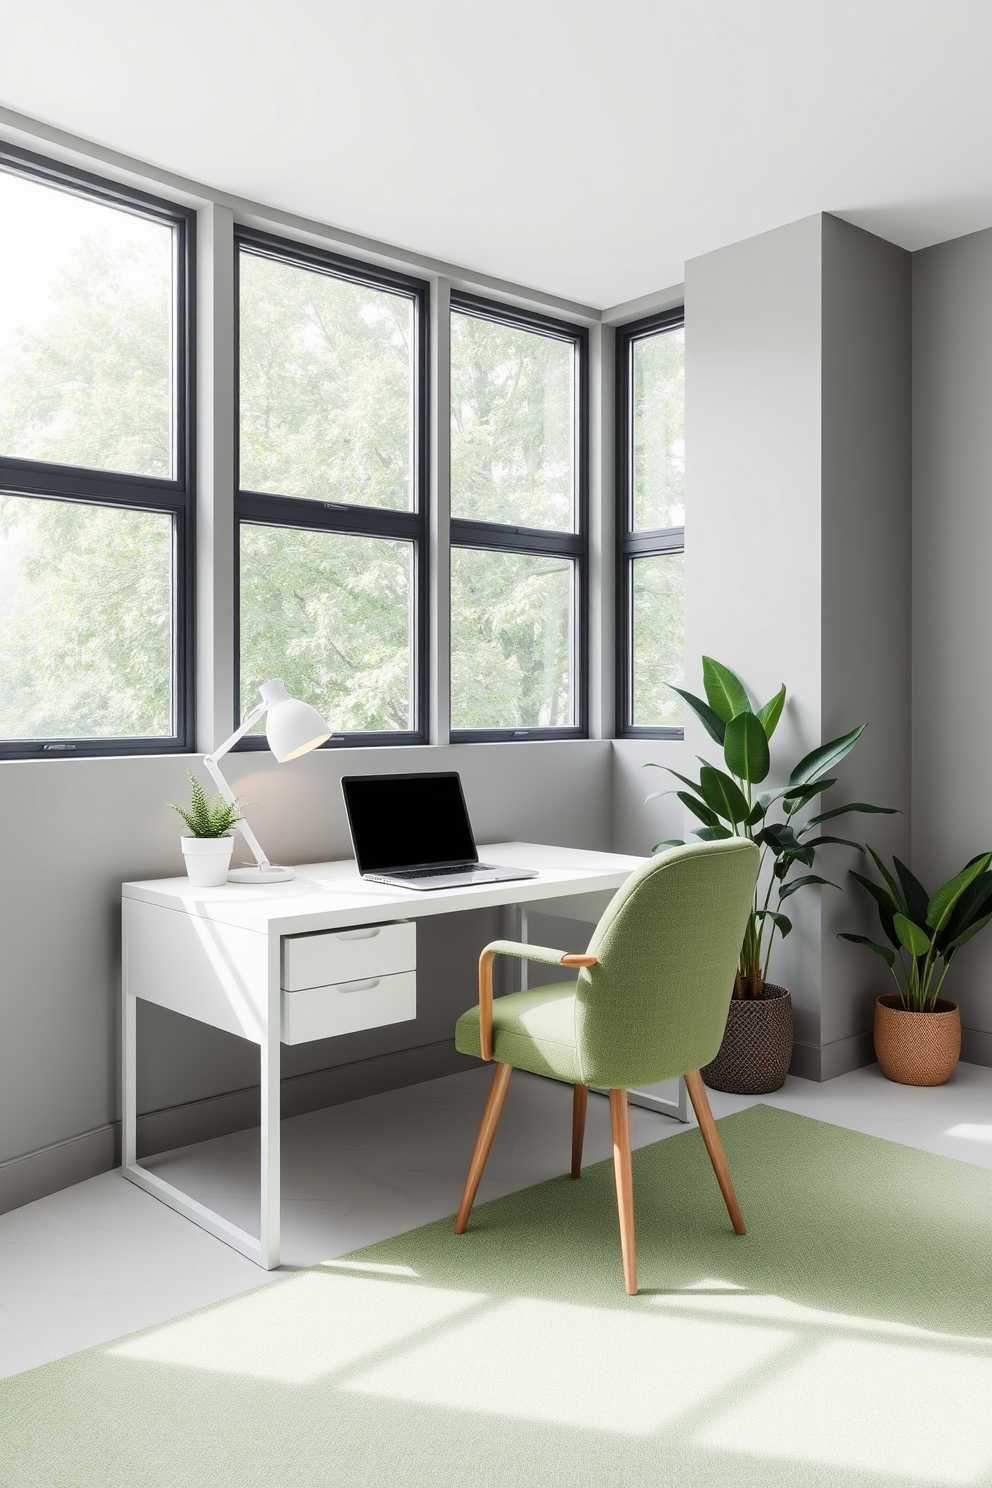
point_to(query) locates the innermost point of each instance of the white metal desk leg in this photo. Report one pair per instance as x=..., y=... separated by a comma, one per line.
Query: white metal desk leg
x=268, y=1233
x=129, y=1052
x=678, y=1109
x=519, y=933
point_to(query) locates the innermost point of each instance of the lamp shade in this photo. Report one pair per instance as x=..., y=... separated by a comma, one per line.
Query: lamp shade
x=292, y=727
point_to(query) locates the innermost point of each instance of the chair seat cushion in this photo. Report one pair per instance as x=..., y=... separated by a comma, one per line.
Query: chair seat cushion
x=532, y=1030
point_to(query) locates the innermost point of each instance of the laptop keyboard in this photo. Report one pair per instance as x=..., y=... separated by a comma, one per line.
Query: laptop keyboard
x=440, y=872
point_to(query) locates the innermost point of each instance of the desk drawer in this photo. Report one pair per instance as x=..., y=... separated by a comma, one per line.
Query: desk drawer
x=348, y=955
x=348, y=1007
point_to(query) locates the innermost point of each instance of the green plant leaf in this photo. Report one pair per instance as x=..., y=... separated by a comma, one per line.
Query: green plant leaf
x=888, y=904
x=795, y=799
x=769, y=715
x=801, y=883
x=969, y=907
x=861, y=806
x=670, y=842
x=916, y=941
x=915, y=896
x=712, y=834
x=894, y=889
x=723, y=795
x=745, y=749
x=889, y=957
x=699, y=809
x=756, y=814
x=712, y=722
x=843, y=841
x=782, y=922
x=973, y=929
x=726, y=693
x=946, y=897
x=825, y=757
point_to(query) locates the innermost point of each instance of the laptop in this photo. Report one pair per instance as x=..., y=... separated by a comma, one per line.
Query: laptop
x=413, y=831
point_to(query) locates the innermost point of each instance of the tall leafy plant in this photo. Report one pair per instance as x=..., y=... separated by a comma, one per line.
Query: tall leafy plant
x=925, y=932
x=726, y=805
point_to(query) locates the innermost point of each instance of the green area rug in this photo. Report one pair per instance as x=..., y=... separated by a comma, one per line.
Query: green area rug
x=845, y=1340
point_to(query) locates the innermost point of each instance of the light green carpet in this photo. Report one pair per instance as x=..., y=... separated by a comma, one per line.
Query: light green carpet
x=845, y=1341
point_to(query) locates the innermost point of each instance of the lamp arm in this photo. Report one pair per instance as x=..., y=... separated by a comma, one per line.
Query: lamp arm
x=211, y=764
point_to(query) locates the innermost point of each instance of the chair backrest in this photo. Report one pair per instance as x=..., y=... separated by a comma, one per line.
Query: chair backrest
x=668, y=945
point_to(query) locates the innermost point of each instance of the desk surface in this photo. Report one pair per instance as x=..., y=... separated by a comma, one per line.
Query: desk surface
x=324, y=896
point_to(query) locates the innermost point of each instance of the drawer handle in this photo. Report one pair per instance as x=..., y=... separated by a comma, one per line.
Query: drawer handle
x=366, y=934
x=365, y=986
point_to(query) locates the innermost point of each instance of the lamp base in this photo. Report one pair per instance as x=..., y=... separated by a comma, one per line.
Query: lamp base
x=272, y=874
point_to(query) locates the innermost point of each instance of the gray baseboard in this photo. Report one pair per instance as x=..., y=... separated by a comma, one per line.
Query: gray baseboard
x=976, y=1046
x=827, y=1061
x=36, y=1174
x=23, y=1179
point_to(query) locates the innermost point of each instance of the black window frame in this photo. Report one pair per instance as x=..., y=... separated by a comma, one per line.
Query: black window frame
x=175, y=497
x=505, y=538
x=631, y=544
x=258, y=508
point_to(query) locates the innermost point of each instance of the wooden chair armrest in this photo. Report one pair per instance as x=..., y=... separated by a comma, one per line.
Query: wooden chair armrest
x=525, y=952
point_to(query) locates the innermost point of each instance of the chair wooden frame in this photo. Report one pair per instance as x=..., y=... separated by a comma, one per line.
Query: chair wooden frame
x=619, y=1123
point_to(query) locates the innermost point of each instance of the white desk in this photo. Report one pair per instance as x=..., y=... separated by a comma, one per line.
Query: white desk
x=324, y=954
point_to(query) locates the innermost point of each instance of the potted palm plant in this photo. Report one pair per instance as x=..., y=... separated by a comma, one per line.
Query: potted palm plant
x=757, y=1045
x=208, y=847
x=918, y=1032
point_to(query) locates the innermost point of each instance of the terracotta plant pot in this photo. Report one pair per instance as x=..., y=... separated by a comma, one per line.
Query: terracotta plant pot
x=917, y=1048
x=757, y=1045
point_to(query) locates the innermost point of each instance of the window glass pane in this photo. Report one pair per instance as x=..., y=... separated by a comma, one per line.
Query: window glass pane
x=657, y=383
x=511, y=640
x=657, y=623
x=330, y=614
x=512, y=425
x=326, y=386
x=85, y=621
x=86, y=332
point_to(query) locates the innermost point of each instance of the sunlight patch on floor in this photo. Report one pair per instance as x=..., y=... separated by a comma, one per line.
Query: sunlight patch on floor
x=972, y=1131
x=767, y=1307
x=298, y=1330
x=609, y=1369
x=871, y=1407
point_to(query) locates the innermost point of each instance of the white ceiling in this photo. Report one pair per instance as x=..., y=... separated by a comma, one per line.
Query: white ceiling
x=583, y=147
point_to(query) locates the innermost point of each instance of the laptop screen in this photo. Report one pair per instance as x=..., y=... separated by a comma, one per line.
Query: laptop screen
x=407, y=821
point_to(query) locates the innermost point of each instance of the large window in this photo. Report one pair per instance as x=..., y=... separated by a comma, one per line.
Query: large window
x=95, y=389
x=333, y=463
x=651, y=524
x=518, y=482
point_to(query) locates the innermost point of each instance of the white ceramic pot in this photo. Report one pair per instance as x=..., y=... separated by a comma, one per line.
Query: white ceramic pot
x=207, y=860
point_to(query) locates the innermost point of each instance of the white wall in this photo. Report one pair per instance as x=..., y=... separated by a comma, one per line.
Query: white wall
x=952, y=633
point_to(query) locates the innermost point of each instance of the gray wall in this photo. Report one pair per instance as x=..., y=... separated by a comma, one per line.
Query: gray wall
x=797, y=552
x=952, y=545
x=75, y=829
x=866, y=585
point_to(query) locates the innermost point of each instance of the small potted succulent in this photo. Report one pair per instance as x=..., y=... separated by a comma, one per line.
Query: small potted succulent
x=757, y=1045
x=918, y=1032
x=208, y=847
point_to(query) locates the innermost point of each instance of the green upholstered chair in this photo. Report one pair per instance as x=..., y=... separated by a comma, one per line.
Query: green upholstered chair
x=650, y=1003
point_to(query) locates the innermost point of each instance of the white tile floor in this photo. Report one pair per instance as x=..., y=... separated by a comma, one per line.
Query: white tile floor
x=102, y=1258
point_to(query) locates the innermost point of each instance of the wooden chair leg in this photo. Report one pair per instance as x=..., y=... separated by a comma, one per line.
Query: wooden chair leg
x=580, y=1100
x=620, y=1122
x=701, y=1106
x=483, y=1142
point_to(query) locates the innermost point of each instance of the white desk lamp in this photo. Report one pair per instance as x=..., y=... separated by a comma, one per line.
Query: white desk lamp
x=292, y=728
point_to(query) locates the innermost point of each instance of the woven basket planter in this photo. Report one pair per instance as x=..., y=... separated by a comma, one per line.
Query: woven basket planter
x=917, y=1048
x=757, y=1045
